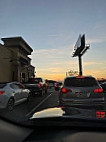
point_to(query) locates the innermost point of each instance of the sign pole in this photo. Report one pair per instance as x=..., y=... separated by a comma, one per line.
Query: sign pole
x=80, y=65
x=79, y=49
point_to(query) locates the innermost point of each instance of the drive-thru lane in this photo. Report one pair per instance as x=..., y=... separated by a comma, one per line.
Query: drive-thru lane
x=35, y=104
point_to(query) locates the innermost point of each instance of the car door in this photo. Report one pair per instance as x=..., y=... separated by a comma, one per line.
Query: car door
x=24, y=91
x=16, y=91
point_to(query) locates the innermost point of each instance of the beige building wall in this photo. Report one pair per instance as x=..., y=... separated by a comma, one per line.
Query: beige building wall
x=11, y=67
x=5, y=64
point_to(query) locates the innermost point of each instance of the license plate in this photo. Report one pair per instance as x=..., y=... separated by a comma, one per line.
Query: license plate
x=82, y=95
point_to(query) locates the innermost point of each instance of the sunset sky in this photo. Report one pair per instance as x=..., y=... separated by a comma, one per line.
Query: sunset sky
x=51, y=28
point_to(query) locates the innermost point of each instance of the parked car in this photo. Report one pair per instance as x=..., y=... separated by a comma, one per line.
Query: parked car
x=103, y=85
x=36, y=85
x=81, y=90
x=12, y=94
x=58, y=85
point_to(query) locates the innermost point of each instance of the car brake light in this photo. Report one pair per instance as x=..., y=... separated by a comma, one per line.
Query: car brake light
x=100, y=114
x=80, y=77
x=1, y=92
x=98, y=90
x=63, y=90
x=39, y=85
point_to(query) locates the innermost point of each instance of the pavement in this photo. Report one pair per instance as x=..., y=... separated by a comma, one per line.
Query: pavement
x=36, y=103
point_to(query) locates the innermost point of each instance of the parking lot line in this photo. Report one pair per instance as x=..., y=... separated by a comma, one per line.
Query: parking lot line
x=34, y=109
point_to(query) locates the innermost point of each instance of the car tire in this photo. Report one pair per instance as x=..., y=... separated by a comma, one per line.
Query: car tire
x=28, y=98
x=10, y=104
x=41, y=93
x=60, y=104
x=46, y=91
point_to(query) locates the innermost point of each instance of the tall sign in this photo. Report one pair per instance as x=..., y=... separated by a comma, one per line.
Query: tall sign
x=79, y=49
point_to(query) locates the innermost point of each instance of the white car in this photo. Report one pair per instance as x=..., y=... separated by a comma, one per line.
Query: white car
x=12, y=94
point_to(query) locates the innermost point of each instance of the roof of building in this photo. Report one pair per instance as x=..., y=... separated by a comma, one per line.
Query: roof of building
x=16, y=41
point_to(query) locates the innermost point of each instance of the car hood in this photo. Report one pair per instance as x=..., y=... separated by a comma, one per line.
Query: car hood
x=66, y=116
x=65, y=112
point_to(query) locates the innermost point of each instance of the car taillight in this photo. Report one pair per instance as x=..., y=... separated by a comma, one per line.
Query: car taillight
x=63, y=90
x=98, y=90
x=1, y=92
x=39, y=85
x=80, y=77
x=100, y=114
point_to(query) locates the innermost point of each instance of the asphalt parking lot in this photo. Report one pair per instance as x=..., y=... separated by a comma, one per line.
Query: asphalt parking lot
x=36, y=103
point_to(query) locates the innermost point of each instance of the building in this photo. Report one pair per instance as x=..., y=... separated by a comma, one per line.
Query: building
x=15, y=65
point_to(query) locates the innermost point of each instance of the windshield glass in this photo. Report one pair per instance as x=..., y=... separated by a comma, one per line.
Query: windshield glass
x=52, y=58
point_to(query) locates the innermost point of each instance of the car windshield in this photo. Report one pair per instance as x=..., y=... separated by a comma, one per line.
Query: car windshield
x=52, y=59
x=80, y=82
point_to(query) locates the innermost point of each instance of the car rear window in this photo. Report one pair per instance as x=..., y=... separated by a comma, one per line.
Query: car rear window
x=33, y=80
x=38, y=79
x=60, y=83
x=81, y=82
x=2, y=85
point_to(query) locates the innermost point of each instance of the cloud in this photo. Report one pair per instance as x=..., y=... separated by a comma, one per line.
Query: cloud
x=50, y=55
x=92, y=63
x=96, y=40
x=54, y=63
x=59, y=50
x=55, y=35
x=96, y=73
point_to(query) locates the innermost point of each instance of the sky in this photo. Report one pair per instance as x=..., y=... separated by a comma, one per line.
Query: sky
x=52, y=27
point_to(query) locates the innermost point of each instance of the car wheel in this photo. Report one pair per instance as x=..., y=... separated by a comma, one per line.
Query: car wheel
x=46, y=91
x=28, y=98
x=41, y=93
x=10, y=104
x=60, y=104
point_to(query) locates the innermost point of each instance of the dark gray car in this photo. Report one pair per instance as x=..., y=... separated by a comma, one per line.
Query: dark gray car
x=103, y=85
x=81, y=90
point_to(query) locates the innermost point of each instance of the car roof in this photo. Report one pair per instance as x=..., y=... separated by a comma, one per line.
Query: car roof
x=104, y=83
x=14, y=82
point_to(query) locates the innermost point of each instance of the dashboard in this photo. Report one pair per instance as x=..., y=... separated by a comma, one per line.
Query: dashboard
x=16, y=133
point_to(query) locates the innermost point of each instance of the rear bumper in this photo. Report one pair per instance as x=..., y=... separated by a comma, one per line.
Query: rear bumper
x=82, y=102
x=3, y=101
x=35, y=90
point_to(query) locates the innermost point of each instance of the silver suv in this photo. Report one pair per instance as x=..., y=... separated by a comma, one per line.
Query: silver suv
x=81, y=90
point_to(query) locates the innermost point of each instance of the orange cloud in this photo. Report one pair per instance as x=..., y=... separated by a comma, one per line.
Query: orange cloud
x=61, y=76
